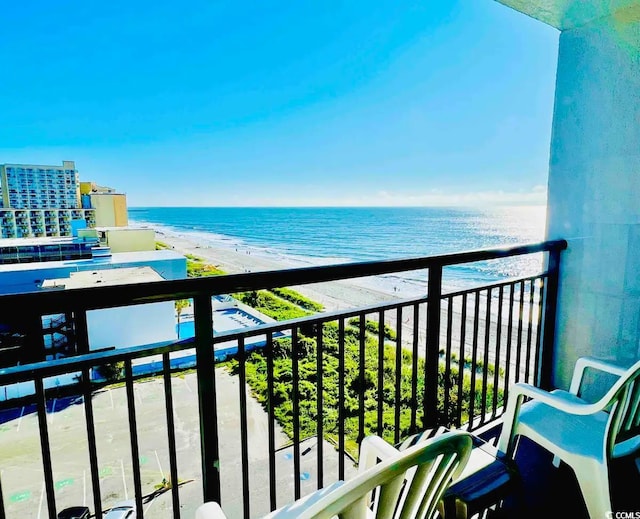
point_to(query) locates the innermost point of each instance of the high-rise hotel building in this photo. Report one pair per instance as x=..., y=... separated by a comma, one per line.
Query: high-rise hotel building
x=40, y=187
x=41, y=201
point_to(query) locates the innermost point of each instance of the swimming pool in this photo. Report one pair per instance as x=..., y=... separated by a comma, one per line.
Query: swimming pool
x=224, y=320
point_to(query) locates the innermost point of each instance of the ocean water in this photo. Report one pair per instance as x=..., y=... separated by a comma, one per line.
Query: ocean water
x=316, y=236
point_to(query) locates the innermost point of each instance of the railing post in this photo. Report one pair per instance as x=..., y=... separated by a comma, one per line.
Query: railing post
x=205, y=368
x=80, y=331
x=34, y=338
x=549, y=321
x=432, y=350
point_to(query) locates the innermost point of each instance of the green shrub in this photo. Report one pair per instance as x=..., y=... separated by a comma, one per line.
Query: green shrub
x=197, y=269
x=374, y=328
x=391, y=401
x=298, y=299
x=256, y=369
x=111, y=372
x=271, y=305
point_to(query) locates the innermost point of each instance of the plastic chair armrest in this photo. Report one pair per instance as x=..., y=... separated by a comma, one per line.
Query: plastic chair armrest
x=516, y=395
x=521, y=389
x=591, y=362
x=210, y=510
x=374, y=449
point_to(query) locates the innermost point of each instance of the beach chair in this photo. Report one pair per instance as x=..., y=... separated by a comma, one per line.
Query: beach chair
x=586, y=436
x=405, y=484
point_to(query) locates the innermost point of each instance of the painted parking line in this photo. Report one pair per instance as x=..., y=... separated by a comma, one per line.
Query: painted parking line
x=41, y=501
x=159, y=466
x=20, y=419
x=63, y=483
x=146, y=512
x=124, y=481
x=187, y=384
x=20, y=496
x=111, y=397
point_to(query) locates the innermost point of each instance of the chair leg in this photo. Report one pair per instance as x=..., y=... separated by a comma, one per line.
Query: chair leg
x=594, y=485
x=452, y=508
x=462, y=512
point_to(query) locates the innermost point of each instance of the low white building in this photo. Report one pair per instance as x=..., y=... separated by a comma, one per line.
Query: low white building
x=18, y=278
x=107, y=328
x=121, y=327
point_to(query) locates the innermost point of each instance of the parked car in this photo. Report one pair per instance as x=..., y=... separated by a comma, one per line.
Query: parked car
x=124, y=510
x=74, y=512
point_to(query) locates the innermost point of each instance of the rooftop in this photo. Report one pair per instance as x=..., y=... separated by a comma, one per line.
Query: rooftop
x=49, y=240
x=66, y=164
x=92, y=278
x=119, y=258
x=121, y=229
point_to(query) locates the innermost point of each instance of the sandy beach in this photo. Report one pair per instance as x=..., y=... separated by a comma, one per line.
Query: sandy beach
x=351, y=294
x=333, y=295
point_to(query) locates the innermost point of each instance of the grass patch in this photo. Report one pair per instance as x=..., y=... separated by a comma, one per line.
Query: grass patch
x=197, y=269
x=256, y=370
x=298, y=299
x=286, y=304
x=374, y=328
x=271, y=305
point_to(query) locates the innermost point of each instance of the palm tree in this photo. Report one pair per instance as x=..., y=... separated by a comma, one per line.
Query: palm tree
x=181, y=304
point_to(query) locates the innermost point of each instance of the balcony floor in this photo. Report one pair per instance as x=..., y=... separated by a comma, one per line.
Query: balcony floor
x=547, y=491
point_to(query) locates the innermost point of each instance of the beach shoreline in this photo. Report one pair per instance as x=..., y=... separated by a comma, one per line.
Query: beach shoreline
x=350, y=295
x=334, y=295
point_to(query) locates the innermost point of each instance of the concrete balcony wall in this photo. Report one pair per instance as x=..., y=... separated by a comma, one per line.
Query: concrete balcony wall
x=594, y=177
x=594, y=190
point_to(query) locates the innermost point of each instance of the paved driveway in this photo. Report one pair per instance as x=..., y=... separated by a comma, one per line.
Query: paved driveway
x=21, y=463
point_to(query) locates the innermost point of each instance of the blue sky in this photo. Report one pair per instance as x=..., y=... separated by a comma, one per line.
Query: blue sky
x=203, y=103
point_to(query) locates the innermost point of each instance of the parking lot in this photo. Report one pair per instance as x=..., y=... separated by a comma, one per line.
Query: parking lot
x=21, y=466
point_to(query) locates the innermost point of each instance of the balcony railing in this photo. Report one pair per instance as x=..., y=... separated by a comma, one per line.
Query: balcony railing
x=442, y=359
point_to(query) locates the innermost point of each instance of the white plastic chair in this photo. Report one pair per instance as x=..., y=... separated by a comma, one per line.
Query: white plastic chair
x=409, y=483
x=586, y=436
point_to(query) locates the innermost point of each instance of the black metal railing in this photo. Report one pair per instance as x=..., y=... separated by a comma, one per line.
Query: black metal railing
x=391, y=368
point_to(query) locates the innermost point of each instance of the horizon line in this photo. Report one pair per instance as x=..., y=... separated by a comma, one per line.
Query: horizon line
x=469, y=206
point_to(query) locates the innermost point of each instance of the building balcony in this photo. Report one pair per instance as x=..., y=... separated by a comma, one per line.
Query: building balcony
x=257, y=417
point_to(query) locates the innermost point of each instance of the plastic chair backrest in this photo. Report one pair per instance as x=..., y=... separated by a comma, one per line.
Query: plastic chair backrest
x=401, y=492
x=624, y=422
